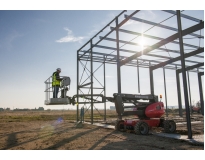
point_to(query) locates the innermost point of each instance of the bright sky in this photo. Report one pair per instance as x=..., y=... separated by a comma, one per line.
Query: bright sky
x=33, y=43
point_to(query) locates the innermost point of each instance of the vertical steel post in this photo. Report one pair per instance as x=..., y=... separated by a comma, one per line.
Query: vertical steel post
x=189, y=91
x=184, y=75
x=151, y=79
x=91, y=72
x=179, y=94
x=165, y=91
x=138, y=76
x=201, y=93
x=104, y=92
x=118, y=57
x=77, y=114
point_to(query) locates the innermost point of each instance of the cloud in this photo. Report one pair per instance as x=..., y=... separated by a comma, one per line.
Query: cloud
x=8, y=41
x=70, y=37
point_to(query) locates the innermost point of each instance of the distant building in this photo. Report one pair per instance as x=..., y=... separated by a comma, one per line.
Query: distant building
x=41, y=108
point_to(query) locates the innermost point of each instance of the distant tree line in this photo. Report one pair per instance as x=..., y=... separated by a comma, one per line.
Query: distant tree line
x=24, y=109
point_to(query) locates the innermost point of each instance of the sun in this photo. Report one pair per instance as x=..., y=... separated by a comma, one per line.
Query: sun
x=142, y=42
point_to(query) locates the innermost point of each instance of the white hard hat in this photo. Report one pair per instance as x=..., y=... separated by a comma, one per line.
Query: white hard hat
x=58, y=69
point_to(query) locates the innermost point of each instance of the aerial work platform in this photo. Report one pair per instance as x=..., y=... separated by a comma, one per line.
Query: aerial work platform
x=57, y=101
x=64, y=87
x=63, y=99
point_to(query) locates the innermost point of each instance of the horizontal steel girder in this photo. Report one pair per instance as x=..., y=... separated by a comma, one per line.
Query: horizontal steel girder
x=178, y=58
x=163, y=42
x=160, y=25
x=136, y=44
x=130, y=51
x=152, y=37
x=191, y=67
x=119, y=25
x=183, y=15
x=135, y=64
x=112, y=60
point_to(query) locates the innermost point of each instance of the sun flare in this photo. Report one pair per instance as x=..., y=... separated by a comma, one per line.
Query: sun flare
x=142, y=42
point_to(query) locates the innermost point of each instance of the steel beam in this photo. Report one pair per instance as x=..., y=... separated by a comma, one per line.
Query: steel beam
x=85, y=85
x=191, y=67
x=184, y=75
x=178, y=58
x=119, y=25
x=153, y=37
x=101, y=30
x=160, y=25
x=184, y=16
x=129, y=51
x=132, y=63
x=163, y=42
x=136, y=44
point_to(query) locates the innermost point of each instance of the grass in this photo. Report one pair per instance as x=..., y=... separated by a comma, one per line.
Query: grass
x=26, y=116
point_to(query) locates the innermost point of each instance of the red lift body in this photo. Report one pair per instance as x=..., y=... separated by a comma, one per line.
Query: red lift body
x=149, y=113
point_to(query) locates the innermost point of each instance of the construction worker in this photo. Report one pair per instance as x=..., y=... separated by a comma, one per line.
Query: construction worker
x=56, y=80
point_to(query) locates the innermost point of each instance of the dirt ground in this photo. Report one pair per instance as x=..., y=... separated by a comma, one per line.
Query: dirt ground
x=64, y=135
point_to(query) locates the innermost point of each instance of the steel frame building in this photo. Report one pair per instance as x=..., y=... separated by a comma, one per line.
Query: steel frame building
x=138, y=58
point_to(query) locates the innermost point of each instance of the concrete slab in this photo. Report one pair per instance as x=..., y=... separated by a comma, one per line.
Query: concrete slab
x=196, y=139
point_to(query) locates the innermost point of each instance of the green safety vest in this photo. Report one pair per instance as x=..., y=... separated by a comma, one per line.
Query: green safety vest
x=55, y=82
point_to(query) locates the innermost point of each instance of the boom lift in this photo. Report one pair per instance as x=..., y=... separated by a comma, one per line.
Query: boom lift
x=147, y=108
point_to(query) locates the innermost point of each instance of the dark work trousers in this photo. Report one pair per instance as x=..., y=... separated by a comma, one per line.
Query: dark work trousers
x=55, y=91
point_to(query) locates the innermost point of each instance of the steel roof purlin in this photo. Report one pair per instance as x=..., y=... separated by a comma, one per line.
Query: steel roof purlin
x=164, y=41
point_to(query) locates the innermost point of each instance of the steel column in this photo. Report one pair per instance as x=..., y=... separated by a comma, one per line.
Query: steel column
x=91, y=76
x=189, y=91
x=138, y=76
x=201, y=92
x=184, y=75
x=104, y=91
x=118, y=58
x=151, y=79
x=179, y=93
x=77, y=114
x=165, y=91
